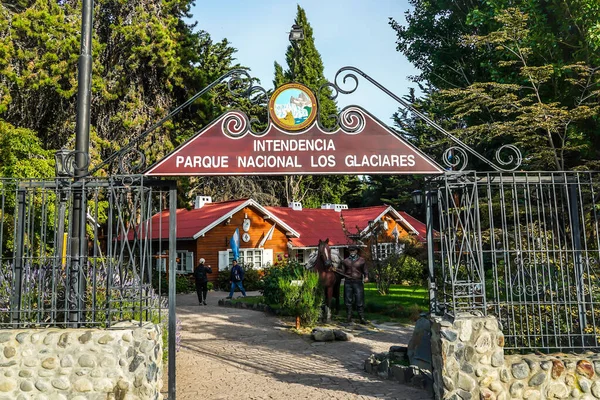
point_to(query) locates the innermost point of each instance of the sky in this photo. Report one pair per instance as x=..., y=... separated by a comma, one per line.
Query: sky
x=347, y=33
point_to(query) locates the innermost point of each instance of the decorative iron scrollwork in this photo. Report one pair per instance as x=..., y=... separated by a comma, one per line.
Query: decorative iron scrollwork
x=348, y=77
x=351, y=120
x=239, y=83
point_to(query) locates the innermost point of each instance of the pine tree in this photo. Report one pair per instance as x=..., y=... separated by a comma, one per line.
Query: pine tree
x=305, y=66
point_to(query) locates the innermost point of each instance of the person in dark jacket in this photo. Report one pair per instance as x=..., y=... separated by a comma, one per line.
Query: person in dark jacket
x=202, y=281
x=237, y=276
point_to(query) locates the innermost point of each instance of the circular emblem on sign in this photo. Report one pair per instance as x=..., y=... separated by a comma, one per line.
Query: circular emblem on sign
x=293, y=107
x=246, y=237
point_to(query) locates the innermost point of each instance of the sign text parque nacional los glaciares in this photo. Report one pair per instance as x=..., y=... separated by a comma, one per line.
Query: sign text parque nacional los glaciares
x=294, y=144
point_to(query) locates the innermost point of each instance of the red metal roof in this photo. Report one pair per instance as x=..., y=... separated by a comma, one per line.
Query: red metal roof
x=190, y=222
x=357, y=219
x=312, y=224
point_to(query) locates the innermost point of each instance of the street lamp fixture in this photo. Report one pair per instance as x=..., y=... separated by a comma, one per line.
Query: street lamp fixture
x=296, y=34
x=63, y=163
x=417, y=197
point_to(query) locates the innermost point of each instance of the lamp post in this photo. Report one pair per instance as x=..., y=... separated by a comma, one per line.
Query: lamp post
x=430, y=199
x=81, y=163
x=296, y=36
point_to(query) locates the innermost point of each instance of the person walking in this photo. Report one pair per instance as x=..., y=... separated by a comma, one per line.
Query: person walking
x=236, y=278
x=201, y=278
x=355, y=270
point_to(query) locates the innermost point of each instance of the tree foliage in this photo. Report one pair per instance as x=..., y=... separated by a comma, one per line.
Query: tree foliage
x=304, y=65
x=503, y=72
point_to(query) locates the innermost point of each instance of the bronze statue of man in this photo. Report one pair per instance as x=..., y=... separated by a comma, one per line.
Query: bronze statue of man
x=356, y=273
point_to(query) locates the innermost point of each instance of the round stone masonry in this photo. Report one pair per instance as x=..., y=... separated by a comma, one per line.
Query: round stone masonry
x=86, y=364
x=469, y=363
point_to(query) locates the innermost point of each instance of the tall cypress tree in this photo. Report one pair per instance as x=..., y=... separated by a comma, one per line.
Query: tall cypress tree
x=305, y=66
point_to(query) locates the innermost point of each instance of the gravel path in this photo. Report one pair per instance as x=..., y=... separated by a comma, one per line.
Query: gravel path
x=231, y=353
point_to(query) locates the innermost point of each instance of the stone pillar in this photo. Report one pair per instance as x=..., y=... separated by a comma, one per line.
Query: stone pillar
x=121, y=363
x=468, y=358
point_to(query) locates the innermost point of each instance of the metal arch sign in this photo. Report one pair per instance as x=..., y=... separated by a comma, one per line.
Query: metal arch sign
x=294, y=144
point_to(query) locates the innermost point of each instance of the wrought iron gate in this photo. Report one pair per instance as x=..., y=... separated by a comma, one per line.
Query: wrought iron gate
x=117, y=280
x=524, y=247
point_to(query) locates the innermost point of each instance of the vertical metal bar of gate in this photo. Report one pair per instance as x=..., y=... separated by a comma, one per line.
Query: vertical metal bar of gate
x=172, y=265
x=430, y=245
x=18, y=260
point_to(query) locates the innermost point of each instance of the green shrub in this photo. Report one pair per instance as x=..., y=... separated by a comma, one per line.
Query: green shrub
x=183, y=283
x=302, y=300
x=210, y=286
x=252, y=279
x=287, y=270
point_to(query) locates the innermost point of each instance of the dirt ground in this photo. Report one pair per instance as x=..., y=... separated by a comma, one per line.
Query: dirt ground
x=231, y=353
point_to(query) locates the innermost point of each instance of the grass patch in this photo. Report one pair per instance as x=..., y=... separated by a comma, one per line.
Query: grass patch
x=403, y=304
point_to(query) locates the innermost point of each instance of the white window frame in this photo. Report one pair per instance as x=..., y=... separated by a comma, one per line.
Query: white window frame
x=386, y=249
x=185, y=265
x=261, y=258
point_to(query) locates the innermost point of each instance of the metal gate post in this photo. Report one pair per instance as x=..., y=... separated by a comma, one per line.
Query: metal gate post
x=172, y=271
x=18, y=262
x=577, y=262
x=430, y=263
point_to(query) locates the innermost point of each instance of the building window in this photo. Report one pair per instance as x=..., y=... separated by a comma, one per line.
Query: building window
x=256, y=258
x=184, y=263
x=384, y=250
x=300, y=256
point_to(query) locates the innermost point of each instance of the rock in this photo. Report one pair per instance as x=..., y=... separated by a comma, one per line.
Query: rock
x=520, y=370
x=516, y=388
x=497, y=358
x=500, y=339
x=467, y=368
x=546, y=365
x=537, y=379
x=469, y=353
x=64, y=340
x=496, y=386
x=449, y=335
x=368, y=366
x=66, y=361
x=49, y=363
x=398, y=349
x=585, y=385
x=137, y=360
x=322, y=335
x=61, y=383
x=21, y=337
x=26, y=386
x=483, y=343
x=86, y=361
x=585, y=368
x=487, y=394
x=106, y=339
x=7, y=385
x=557, y=390
x=86, y=337
x=83, y=385
x=342, y=336
x=557, y=369
x=463, y=394
x=504, y=375
x=596, y=389
x=465, y=382
x=466, y=329
x=9, y=351
x=5, y=337
x=448, y=384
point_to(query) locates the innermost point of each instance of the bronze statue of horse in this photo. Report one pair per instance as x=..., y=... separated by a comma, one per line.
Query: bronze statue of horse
x=328, y=278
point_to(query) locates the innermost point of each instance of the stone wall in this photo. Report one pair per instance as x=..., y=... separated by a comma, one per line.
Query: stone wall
x=124, y=362
x=469, y=363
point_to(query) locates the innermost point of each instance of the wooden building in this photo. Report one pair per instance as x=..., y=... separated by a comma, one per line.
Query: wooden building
x=271, y=234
